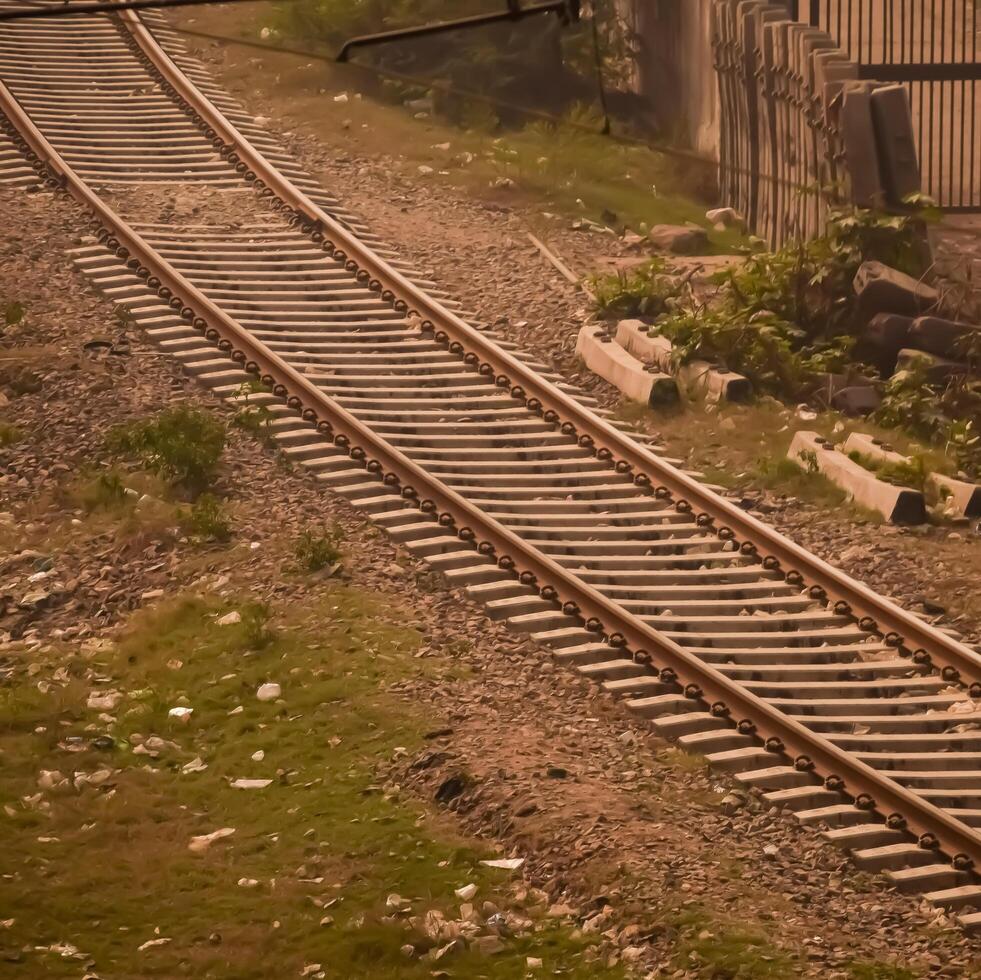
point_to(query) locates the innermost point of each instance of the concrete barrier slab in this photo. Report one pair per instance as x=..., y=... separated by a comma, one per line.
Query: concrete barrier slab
x=900, y=505
x=620, y=368
x=699, y=378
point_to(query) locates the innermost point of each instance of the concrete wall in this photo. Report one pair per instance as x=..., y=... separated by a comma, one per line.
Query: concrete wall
x=674, y=68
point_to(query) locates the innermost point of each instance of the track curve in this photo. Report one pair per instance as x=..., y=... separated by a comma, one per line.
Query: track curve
x=731, y=638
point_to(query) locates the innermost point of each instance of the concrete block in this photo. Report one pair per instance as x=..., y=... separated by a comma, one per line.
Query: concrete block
x=936, y=370
x=961, y=499
x=861, y=150
x=898, y=160
x=884, y=336
x=900, y=505
x=881, y=289
x=946, y=338
x=698, y=378
x=614, y=364
x=856, y=400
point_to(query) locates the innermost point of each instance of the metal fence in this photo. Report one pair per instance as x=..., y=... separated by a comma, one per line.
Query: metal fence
x=932, y=48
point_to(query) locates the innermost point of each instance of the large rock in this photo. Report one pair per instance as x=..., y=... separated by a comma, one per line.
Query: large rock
x=943, y=337
x=883, y=337
x=936, y=370
x=881, y=289
x=679, y=239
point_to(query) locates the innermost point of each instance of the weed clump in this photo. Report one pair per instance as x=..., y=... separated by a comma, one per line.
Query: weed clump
x=316, y=551
x=105, y=492
x=9, y=434
x=182, y=444
x=251, y=417
x=255, y=625
x=207, y=519
x=643, y=291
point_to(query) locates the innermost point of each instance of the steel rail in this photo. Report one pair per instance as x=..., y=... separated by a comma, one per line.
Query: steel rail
x=919, y=638
x=783, y=735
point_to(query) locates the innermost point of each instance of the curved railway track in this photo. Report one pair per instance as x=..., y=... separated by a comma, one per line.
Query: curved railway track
x=835, y=702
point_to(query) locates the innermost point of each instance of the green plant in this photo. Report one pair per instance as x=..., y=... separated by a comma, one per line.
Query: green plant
x=182, y=444
x=912, y=474
x=13, y=312
x=105, y=492
x=253, y=418
x=316, y=551
x=9, y=434
x=207, y=519
x=255, y=625
x=642, y=291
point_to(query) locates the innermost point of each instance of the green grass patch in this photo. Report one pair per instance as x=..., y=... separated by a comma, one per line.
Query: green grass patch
x=714, y=948
x=91, y=872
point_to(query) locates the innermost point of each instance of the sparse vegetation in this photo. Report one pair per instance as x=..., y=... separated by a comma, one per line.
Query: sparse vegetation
x=207, y=519
x=714, y=948
x=9, y=435
x=256, y=618
x=104, y=492
x=182, y=444
x=319, y=850
x=315, y=551
x=641, y=291
x=13, y=312
x=252, y=417
x=879, y=971
x=912, y=474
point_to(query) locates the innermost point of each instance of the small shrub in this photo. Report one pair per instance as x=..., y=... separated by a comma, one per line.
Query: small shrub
x=183, y=444
x=13, y=313
x=317, y=551
x=255, y=625
x=106, y=492
x=207, y=519
x=9, y=434
x=643, y=291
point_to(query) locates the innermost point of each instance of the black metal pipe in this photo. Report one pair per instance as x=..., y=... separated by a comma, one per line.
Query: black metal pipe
x=567, y=10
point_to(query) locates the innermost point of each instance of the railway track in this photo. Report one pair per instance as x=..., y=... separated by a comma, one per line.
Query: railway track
x=781, y=670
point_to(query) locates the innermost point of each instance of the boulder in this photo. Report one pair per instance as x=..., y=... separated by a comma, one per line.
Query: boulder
x=856, y=400
x=679, y=239
x=946, y=338
x=881, y=289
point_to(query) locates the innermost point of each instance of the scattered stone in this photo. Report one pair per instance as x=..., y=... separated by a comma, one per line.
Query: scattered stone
x=103, y=701
x=466, y=892
x=726, y=218
x=201, y=843
x=679, y=239
x=268, y=692
x=250, y=783
x=507, y=864
x=230, y=619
